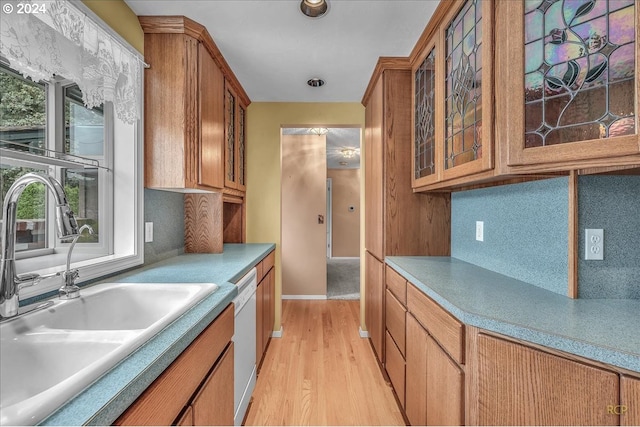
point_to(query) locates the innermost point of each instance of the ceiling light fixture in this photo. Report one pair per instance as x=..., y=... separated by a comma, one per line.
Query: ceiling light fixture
x=319, y=131
x=315, y=82
x=314, y=8
x=349, y=153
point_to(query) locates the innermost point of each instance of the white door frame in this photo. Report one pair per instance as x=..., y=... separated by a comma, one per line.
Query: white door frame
x=329, y=218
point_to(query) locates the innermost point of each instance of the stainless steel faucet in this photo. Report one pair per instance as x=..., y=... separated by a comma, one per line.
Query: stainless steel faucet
x=69, y=290
x=66, y=227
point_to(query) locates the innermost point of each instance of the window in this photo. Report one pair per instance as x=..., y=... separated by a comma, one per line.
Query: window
x=46, y=128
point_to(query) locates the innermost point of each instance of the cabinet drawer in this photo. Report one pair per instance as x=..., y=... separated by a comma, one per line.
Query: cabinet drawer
x=445, y=328
x=397, y=284
x=161, y=403
x=395, y=367
x=268, y=262
x=395, y=315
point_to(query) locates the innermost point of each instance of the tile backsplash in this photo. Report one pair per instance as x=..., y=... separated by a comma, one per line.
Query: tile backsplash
x=611, y=203
x=525, y=231
x=166, y=210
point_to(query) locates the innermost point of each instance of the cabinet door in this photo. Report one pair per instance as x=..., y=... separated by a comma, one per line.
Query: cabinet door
x=230, y=136
x=272, y=300
x=570, y=91
x=213, y=405
x=241, y=149
x=445, y=388
x=416, y=381
x=630, y=401
x=520, y=385
x=427, y=106
x=467, y=60
x=211, y=83
x=260, y=308
x=373, y=145
x=267, y=310
x=374, y=316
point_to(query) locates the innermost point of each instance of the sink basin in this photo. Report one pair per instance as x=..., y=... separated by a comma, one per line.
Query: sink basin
x=48, y=356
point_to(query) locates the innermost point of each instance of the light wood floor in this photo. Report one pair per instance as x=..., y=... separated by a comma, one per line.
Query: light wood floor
x=321, y=372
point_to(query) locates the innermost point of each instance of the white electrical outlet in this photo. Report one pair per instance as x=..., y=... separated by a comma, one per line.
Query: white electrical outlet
x=480, y=231
x=148, y=232
x=594, y=243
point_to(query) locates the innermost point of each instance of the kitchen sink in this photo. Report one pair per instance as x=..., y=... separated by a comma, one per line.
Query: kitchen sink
x=50, y=355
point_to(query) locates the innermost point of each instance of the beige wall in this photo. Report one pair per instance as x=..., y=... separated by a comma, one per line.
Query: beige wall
x=118, y=15
x=264, y=121
x=345, y=230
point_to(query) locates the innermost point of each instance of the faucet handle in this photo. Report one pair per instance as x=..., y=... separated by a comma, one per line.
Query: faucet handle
x=69, y=290
x=27, y=280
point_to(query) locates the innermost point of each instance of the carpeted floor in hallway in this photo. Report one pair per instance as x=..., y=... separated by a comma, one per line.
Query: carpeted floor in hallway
x=343, y=278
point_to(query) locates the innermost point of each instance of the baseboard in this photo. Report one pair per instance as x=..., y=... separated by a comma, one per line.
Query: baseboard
x=363, y=334
x=304, y=297
x=277, y=334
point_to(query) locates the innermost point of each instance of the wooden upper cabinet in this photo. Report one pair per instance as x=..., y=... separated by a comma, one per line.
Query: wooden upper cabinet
x=186, y=120
x=453, y=95
x=241, y=161
x=566, y=83
x=211, y=84
x=230, y=137
x=234, y=139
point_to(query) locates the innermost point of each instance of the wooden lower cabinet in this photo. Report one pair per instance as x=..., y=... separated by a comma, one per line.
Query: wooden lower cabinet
x=265, y=305
x=168, y=400
x=374, y=300
x=395, y=367
x=445, y=388
x=434, y=382
x=213, y=405
x=629, y=401
x=521, y=385
x=416, y=381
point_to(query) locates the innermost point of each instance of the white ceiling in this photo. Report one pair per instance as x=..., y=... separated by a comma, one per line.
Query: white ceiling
x=274, y=49
x=338, y=139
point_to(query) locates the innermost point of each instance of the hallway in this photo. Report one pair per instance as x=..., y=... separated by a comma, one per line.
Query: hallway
x=321, y=372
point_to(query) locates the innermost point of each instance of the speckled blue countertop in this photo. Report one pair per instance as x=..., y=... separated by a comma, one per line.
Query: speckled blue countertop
x=102, y=402
x=606, y=330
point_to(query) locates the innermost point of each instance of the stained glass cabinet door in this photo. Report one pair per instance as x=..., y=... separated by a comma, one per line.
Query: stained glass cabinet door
x=567, y=83
x=467, y=119
x=427, y=104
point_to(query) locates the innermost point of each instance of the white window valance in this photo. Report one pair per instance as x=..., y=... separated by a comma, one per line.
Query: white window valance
x=61, y=40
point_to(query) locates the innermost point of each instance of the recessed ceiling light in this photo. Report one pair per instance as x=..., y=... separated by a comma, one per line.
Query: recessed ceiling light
x=315, y=82
x=314, y=8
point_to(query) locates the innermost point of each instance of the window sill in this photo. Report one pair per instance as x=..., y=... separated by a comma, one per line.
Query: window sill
x=88, y=265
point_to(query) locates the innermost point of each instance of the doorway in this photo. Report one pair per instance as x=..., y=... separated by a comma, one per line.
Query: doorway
x=335, y=166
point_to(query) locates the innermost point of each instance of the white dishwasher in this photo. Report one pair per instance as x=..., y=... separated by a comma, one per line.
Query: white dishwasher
x=244, y=338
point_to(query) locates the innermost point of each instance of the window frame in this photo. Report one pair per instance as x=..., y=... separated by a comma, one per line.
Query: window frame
x=120, y=213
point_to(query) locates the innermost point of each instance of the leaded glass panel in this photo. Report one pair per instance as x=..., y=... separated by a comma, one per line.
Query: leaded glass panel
x=463, y=88
x=231, y=136
x=241, y=147
x=425, y=87
x=579, y=70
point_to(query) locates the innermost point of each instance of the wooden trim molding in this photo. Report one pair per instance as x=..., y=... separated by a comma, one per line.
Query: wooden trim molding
x=184, y=25
x=429, y=31
x=573, y=235
x=384, y=63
